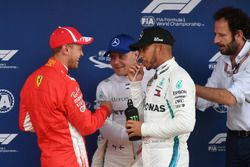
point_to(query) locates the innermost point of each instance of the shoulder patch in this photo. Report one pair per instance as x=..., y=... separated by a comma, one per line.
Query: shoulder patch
x=39, y=79
x=179, y=84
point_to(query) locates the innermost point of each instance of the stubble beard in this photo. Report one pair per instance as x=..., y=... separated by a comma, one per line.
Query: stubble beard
x=231, y=48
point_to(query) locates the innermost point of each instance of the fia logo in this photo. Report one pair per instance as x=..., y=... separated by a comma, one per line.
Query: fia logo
x=148, y=21
x=6, y=101
x=6, y=138
x=184, y=6
x=6, y=55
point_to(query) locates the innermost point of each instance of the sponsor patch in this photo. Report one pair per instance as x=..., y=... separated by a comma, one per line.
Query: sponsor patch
x=39, y=80
x=179, y=84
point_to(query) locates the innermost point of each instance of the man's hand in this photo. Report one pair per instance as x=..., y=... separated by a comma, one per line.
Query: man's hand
x=108, y=105
x=133, y=128
x=135, y=73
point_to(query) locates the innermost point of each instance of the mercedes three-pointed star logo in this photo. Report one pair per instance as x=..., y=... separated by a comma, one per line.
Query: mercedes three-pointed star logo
x=115, y=42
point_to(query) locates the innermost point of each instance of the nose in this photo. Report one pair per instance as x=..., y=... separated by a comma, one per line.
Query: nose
x=216, y=39
x=141, y=54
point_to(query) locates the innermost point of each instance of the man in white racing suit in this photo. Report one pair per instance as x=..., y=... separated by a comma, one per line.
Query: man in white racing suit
x=114, y=148
x=169, y=104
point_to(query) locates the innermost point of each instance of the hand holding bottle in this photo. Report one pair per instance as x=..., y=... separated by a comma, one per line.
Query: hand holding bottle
x=132, y=118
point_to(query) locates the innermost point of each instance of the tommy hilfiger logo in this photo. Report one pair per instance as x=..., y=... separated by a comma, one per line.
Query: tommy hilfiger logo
x=158, y=91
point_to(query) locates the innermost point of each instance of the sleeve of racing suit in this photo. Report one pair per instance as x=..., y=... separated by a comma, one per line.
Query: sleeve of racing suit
x=180, y=100
x=24, y=118
x=79, y=116
x=111, y=130
x=212, y=82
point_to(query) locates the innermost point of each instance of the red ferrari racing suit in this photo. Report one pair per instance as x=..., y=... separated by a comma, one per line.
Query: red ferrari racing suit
x=52, y=106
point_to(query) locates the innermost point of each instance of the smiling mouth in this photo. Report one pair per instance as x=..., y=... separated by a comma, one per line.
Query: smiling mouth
x=119, y=68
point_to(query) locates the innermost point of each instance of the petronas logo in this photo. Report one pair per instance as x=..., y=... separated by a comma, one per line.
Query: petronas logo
x=39, y=80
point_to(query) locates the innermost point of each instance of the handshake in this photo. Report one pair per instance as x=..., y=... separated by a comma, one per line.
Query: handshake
x=108, y=105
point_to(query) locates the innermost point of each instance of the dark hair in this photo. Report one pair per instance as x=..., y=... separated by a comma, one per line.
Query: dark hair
x=56, y=50
x=237, y=20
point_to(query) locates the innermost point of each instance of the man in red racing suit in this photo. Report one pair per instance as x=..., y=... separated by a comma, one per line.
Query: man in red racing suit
x=52, y=105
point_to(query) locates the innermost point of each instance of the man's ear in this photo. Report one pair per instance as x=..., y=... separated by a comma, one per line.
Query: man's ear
x=65, y=49
x=239, y=35
x=136, y=53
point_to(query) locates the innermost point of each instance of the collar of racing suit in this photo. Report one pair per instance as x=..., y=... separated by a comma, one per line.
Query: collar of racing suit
x=52, y=62
x=163, y=67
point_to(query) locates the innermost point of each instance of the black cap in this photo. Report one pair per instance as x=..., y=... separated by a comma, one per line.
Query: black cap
x=153, y=35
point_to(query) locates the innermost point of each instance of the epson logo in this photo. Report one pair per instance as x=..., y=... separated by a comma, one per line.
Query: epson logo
x=6, y=55
x=6, y=138
x=178, y=92
x=7, y=101
x=184, y=6
x=101, y=61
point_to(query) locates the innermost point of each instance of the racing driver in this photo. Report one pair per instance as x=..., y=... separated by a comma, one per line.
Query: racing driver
x=52, y=105
x=169, y=105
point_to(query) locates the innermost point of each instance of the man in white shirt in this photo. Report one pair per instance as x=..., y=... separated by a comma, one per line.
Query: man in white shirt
x=229, y=83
